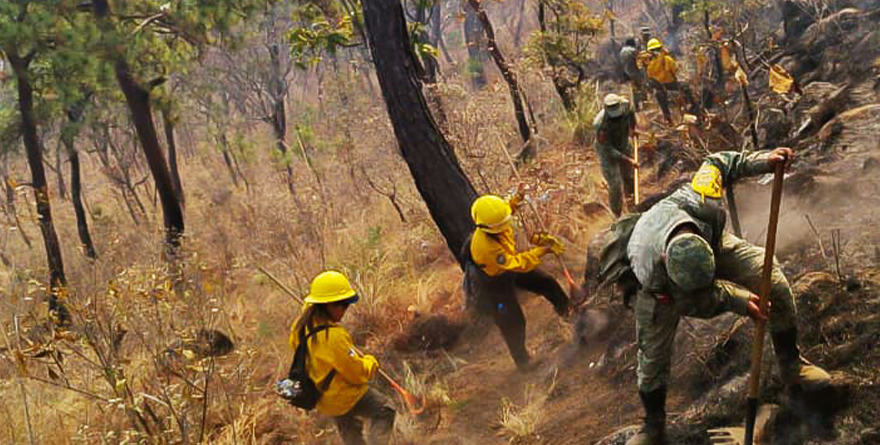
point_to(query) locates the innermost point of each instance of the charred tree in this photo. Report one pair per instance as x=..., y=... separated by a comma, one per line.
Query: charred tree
x=68, y=137
x=278, y=118
x=431, y=18
x=168, y=124
x=509, y=75
x=57, y=280
x=137, y=97
x=59, y=171
x=476, y=47
x=438, y=176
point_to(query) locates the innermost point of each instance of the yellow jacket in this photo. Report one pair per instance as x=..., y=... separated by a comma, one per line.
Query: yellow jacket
x=496, y=253
x=333, y=349
x=662, y=68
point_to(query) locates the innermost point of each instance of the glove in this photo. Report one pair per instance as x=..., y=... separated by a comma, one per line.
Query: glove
x=371, y=365
x=549, y=241
x=517, y=198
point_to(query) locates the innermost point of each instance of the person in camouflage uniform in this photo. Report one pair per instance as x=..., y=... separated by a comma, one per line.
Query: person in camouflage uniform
x=628, y=58
x=687, y=265
x=614, y=125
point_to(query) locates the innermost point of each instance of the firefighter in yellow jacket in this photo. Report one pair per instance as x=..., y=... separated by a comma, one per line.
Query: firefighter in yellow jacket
x=494, y=270
x=662, y=76
x=332, y=356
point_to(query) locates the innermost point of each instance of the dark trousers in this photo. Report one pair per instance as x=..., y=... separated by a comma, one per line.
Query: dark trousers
x=661, y=93
x=507, y=313
x=375, y=407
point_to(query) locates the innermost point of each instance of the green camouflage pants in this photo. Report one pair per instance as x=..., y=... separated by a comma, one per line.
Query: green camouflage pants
x=738, y=262
x=617, y=174
x=372, y=406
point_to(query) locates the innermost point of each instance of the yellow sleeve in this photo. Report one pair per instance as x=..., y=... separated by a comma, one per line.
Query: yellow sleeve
x=672, y=66
x=349, y=365
x=524, y=261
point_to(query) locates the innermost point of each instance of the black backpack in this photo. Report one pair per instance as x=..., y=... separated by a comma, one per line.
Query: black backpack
x=614, y=265
x=304, y=393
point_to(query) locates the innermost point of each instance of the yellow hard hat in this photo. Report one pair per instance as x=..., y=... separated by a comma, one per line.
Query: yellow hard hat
x=654, y=44
x=491, y=213
x=330, y=287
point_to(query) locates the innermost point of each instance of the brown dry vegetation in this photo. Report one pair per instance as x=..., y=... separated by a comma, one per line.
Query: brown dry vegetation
x=136, y=366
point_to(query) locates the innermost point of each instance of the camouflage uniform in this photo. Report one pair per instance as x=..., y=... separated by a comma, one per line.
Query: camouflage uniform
x=738, y=269
x=628, y=57
x=613, y=154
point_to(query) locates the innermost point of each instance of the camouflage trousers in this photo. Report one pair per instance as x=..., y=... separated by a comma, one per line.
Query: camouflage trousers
x=738, y=262
x=618, y=175
x=374, y=407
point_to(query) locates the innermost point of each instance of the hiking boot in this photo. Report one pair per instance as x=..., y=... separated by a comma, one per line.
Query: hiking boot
x=653, y=430
x=793, y=368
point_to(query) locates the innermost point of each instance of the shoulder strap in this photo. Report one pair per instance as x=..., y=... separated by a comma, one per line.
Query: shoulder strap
x=325, y=382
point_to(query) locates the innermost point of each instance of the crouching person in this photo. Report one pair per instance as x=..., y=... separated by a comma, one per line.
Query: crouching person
x=338, y=370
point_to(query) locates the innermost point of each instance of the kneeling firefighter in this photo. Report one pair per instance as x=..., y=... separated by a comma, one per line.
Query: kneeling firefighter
x=335, y=365
x=495, y=270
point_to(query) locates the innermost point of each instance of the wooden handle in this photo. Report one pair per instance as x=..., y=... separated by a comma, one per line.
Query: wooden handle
x=636, y=169
x=764, y=296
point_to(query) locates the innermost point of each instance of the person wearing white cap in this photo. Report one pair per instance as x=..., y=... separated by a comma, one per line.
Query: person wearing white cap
x=614, y=125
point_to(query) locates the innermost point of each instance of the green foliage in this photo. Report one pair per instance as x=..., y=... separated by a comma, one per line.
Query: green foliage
x=564, y=45
x=419, y=37
x=309, y=43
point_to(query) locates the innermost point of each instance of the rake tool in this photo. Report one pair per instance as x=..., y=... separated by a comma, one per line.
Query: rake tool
x=734, y=435
x=576, y=293
x=414, y=404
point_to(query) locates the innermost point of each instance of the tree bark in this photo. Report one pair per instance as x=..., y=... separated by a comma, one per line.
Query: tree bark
x=82, y=224
x=516, y=96
x=476, y=46
x=438, y=176
x=168, y=126
x=279, y=113
x=517, y=35
x=62, y=188
x=57, y=280
x=432, y=66
x=138, y=100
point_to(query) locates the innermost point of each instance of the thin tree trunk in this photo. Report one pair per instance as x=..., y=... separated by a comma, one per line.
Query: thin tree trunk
x=517, y=35
x=476, y=46
x=138, y=100
x=509, y=76
x=559, y=84
x=82, y=224
x=224, y=149
x=279, y=114
x=168, y=125
x=432, y=67
x=57, y=280
x=11, y=211
x=62, y=188
x=438, y=176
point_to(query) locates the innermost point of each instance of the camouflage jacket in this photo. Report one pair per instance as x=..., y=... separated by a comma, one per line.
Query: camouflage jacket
x=704, y=208
x=616, y=144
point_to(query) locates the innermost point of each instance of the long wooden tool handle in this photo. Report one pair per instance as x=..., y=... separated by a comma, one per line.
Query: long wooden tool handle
x=537, y=215
x=760, y=326
x=636, y=169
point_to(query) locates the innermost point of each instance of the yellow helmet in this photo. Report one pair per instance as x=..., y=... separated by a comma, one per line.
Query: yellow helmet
x=491, y=213
x=654, y=44
x=330, y=287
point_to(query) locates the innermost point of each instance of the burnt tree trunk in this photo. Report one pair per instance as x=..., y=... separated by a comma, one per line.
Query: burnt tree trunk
x=57, y=280
x=68, y=137
x=170, y=141
x=138, y=99
x=509, y=75
x=476, y=47
x=279, y=113
x=438, y=176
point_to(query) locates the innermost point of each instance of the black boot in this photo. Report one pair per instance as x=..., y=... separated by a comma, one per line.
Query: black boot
x=794, y=369
x=653, y=431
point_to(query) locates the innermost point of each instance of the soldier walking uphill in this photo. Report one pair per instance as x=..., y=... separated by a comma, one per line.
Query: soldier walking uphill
x=662, y=72
x=682, y=263
x=614, y=125
x=629, y=58
x=494, y=270
x=334, y=364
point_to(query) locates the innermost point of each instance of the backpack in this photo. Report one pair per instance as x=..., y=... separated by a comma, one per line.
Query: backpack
x=614, y=265
x=302, y=392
